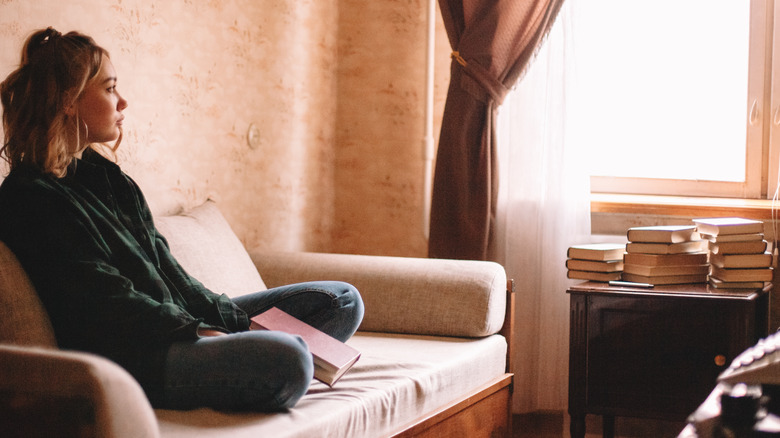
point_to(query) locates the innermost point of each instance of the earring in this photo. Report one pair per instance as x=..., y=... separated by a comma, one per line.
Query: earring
x=78, y=147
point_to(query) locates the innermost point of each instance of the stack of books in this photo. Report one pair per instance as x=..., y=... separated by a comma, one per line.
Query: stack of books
x=595, y=261
x=665, y=254
x=738, y=252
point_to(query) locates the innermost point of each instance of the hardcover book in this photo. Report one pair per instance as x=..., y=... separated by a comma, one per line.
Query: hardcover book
x=694, y=258
x=717, y=226
x=738, y=274
x=332, y=358
x=595, y=276
x=733, y=237
x=662, y=233
x=746, y=247
x=720, y=284
x=667, y=248
x=595, y=265
x=597, y=251
x=665, y=279
x=658, y=271
x=763, y=260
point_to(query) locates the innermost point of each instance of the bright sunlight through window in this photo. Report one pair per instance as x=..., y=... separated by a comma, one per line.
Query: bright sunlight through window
x=661, y=87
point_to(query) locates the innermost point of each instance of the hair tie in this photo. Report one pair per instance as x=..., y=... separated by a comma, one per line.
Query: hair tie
x=38, y=42
x=48, y=34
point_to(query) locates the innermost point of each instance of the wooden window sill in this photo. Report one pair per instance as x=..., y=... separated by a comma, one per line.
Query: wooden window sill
x=680, y=206
x=613, y=214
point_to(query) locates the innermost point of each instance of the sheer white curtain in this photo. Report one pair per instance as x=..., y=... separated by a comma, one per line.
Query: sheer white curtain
x=543, y=209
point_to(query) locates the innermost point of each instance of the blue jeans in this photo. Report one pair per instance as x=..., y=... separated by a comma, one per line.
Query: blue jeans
x=260, y=370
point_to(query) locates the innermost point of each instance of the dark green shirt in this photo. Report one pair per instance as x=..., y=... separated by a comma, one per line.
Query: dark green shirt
x=103, y=272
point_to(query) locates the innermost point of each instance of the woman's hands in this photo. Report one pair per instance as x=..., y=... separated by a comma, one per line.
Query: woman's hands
x=206, y=332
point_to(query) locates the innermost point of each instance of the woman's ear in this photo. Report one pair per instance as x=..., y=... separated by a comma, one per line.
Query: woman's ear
x=71, y=104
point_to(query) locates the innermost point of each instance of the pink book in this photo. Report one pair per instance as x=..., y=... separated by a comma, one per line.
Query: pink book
x=332, y=358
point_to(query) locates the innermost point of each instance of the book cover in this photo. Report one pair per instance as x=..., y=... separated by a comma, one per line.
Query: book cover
x=720, y=284
x=747, y=247
x=595, y=276
x=693, y=258
x=666, y=279
x=667, y=248
x=597, y=251
x=595, y=265
x=733, y=237
x=739, y=274
x=658, y=271
x=662, y=233
x=763, y=260
x=332, y=358
x=717, y=226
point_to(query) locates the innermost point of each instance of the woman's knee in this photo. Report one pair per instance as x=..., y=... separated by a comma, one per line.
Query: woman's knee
x=350, y=308
x=346, y=295
x=293, y=368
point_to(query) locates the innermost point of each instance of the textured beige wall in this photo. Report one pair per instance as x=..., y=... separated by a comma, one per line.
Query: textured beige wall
x=380, y=127
x=335, y=87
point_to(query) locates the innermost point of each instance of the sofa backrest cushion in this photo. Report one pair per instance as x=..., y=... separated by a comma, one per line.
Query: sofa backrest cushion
x=24, y=320
x=208, y=249
x=464, y=298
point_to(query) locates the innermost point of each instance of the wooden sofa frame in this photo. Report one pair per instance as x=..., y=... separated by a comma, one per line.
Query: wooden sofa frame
x=484, y=412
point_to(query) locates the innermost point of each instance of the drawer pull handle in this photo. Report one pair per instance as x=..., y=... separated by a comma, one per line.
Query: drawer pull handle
x=720, y=360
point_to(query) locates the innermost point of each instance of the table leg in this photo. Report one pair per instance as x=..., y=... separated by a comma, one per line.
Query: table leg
x=608, y=426
x=577, y=426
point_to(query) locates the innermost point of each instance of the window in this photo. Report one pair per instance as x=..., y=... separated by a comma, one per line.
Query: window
x=675, y=97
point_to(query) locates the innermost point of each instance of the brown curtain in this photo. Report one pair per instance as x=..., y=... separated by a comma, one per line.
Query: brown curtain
x=493, y=41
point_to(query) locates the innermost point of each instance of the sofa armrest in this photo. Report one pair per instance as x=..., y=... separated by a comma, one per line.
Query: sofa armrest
x=49, y=392
x=401, y=294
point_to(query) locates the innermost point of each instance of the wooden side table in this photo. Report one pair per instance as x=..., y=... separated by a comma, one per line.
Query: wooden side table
x=654, y=353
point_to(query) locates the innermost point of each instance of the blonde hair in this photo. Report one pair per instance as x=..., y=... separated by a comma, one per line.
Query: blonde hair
x=53, y=72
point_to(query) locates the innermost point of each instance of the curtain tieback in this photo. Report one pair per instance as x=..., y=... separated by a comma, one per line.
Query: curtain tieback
x=493, y=87
x=456, y=56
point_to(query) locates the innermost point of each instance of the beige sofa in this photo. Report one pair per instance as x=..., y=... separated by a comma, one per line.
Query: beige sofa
x=433, y=361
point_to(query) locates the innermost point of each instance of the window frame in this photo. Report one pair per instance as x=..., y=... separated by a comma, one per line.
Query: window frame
x=763, y=126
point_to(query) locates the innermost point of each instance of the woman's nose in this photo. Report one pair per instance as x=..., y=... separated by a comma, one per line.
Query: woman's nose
x=122, y=104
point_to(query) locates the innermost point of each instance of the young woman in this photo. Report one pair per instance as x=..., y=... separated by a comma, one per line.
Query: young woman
x=84, y=233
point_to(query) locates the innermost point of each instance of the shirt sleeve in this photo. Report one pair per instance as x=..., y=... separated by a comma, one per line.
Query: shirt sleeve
x=218, y=310
x=72, y=263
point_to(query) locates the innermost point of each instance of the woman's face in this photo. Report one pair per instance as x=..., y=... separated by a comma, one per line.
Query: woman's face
x=100, y=106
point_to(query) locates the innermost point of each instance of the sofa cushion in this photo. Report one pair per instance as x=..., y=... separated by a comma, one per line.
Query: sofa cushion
x=208, y=249
x=397, y=379
x=24, y=320
x=405, y=294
